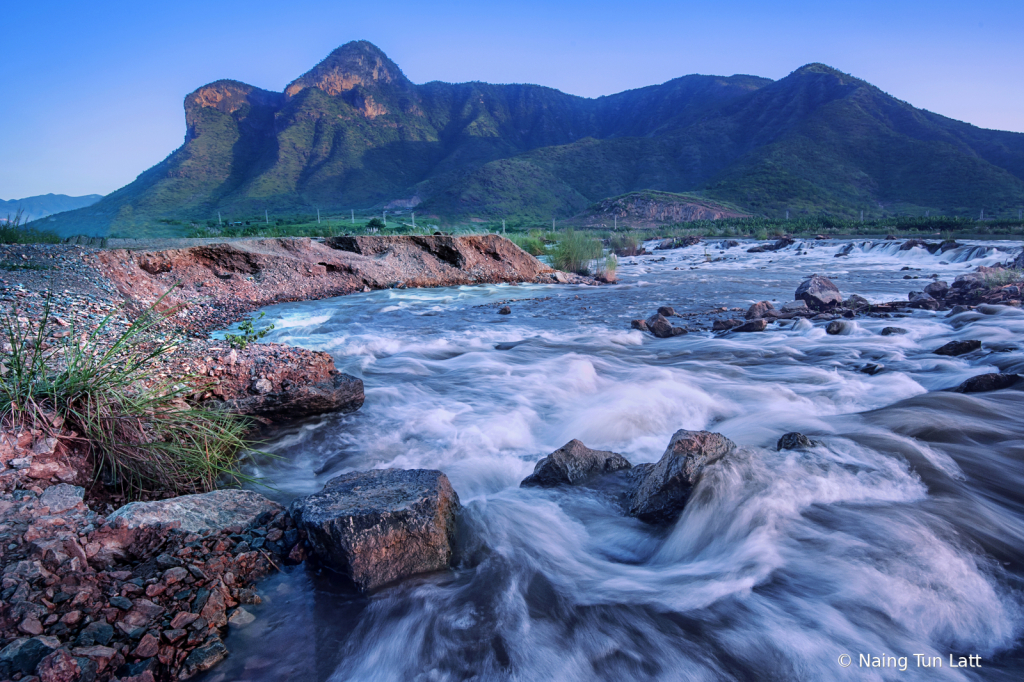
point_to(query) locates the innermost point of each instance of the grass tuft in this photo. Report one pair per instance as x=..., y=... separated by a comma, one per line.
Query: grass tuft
x=143, y=436
x=13, y=231
x=576, y=252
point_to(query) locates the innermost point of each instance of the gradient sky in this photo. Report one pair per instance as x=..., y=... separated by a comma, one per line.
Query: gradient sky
x=95, y=90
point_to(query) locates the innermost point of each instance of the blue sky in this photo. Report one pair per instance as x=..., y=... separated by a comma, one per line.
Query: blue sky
x=94, y=90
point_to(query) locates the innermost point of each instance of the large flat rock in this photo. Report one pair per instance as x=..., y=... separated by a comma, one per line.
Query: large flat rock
x=572, y=464
x=381, y=526
x=200, y=513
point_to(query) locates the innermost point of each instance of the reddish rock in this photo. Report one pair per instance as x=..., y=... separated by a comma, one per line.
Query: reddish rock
x=148, y=647
x=60, y=666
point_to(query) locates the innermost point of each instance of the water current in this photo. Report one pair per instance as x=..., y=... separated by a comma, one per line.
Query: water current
x=900, y=533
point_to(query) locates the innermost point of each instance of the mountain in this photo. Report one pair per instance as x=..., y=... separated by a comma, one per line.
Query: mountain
x=43, y=205
x=354, y=132
x=651, y=208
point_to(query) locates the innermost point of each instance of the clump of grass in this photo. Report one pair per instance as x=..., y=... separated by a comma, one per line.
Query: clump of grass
x=13, y=231
x=626, y=244
x=761, y=234
x=529, y=243
x=575, y=252
x=143, y=436
x=999, y=278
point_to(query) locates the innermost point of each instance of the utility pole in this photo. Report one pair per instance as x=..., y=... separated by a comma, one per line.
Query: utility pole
x=503, y=226
x=787, y=214
x=982, y=214
x=219, y=223
x=353, y=216
x=266, y=216
x=414, y=220
x=862, y=216
x=616, y=219
x=552, y=224
x=318, y=216
x=385, y=218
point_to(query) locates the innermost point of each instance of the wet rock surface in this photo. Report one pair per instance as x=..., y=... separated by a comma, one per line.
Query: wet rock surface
x=662, y=489
x=572, y=464
x=819, y=293
x=380, y=526
x=954, y=348
x=794, y=441
x=987, y=382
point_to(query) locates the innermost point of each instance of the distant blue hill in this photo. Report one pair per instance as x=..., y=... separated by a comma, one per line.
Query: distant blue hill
x=43, y=205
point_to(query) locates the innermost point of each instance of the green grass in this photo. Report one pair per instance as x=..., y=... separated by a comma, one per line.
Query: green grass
x=1002, y=277
x=529, y=243
x=14, y=231
x=143, y=436
x=576, y=252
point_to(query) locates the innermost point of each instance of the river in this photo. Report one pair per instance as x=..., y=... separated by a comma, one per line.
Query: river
x=900, y=533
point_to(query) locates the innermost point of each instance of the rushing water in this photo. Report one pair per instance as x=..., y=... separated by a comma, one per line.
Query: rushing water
x=902, y=533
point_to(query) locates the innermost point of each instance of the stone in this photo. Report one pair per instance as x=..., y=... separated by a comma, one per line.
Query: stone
x=667, y=311
x=199, y=513
x=987, y=382
x=835, y=327
x=659, y=326
x=722, y=325
x=381, y=526
x=794, y=441
x=95, y=633
x=23, y=656
x=60, y=666
x=758, y=325
x=639, y=324
x=890, y=331
x=148, y=647
x=662, y=489
x=923, y=301
x=205, y=657
x=572, y=464
x=954, y=348
x=240, y=618
x=61, y=497
x=795, y=307
x=819, y=293
x=337, y=393
x=856, y=302
x=937, y=289
x=957, y=309
x=872, y=368
x=505, y=310
x=759, y=310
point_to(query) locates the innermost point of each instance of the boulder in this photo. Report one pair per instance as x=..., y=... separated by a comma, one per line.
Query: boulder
x=505, y=310
x=923, y=301
x=856, y=301
x=835, y=327
x=667, y=311
x=337, y=393
x=722, y=325
x=200, y=513
x=794, y=441
x=937, y=289
x=23, y=655
x=911, y=243
x=954, y=348
x=663, y=488
x=759, y=310
x=382, y=525
x=889, y=331
x=819, y=293
x=661, y=327
x=796, y=307
x=639, y=324
x=572, y=464
x=758, y=325
x=987, y=382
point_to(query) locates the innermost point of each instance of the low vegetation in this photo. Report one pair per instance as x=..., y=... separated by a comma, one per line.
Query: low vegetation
x=249, y=333
x=1003, y=277
x=576, y=252
x=14, y=231
x=142, y=434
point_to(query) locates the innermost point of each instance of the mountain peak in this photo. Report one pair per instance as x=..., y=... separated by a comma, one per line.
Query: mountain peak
x=358, y=62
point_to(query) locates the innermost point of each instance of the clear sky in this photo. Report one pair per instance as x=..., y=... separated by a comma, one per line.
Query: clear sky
x=94, y=90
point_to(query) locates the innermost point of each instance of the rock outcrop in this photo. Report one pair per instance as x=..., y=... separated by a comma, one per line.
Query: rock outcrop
x=219, y=283
x=382, y=525
x=200, y=513
x=819, y=293
x=572, y=464
x=663, y=488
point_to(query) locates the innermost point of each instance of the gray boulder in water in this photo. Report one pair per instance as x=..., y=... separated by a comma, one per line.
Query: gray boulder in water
x=760, y=309
x=381, y=526
x=987, y=382
x=954, y=348
x=572, y=464
x=794, y=441
x=660, y=326
x=819, y=293
x=663, y=488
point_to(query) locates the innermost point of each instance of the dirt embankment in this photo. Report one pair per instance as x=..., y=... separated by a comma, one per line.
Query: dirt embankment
x=220, y=283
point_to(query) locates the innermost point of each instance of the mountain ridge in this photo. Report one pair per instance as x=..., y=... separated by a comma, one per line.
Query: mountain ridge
x=354, y=132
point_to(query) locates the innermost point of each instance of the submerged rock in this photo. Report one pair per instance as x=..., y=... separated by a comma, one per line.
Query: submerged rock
x=505, y=310
x=667, y=311
x=572, y=464
x=856, y=301
x=954, y=348
x=923, y=301
x=937, y=289
x=758, y=325
x=835, y=327
x=639, y=324
x=382, y=525
x=987, y=382
x=796, y=307
x=794, y=441
x=722, y=325
x=819, y=293
x=663, y=488
x=889, y=331
x=662, y=328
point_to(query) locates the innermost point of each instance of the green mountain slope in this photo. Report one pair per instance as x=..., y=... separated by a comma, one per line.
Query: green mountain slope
x=354, y=132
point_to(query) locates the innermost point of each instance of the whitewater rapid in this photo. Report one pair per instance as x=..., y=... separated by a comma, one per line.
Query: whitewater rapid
x=901, y=533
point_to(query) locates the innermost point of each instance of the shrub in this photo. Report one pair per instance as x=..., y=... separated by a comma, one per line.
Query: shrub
x=375, y=223
x=142, y=435
x=249, y=333
x=626, y=244
x=528, y=243
x=575, y=252
x=762, y=234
